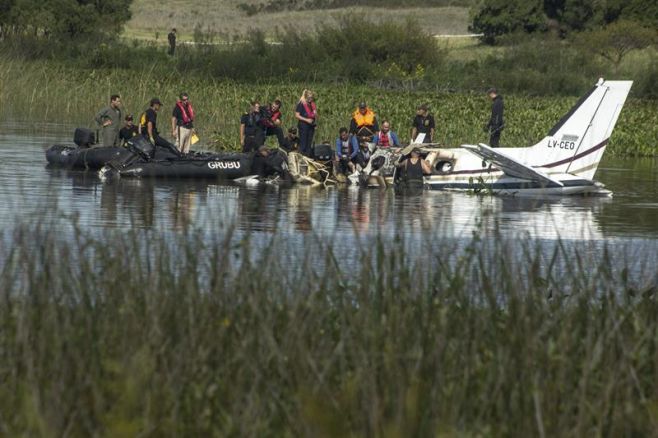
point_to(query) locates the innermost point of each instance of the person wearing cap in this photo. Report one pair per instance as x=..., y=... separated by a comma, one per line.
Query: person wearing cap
x=496, y=121
x=364, y=122
x=182, y=123
x=148, y=125
x=252, y=134
x=413, y=168
x=109, y=121
x=291, y=140
x=128, y=131
x=385, y=138
x=423, y=123
x=347, y=149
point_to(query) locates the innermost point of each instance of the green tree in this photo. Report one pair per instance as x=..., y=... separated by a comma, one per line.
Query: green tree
x=63, y=18
x=616, y=40
x=499, y=17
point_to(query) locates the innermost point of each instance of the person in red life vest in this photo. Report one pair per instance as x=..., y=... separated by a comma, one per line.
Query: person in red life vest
x=307, y=115
x=346, y=149
x=271, y=121
x=364, y=123
x=386, y=138
x=182, y=123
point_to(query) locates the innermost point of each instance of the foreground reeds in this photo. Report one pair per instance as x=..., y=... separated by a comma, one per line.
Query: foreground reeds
x=153, y=334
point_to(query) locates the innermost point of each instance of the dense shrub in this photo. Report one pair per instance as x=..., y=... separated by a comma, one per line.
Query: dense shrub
x=494, y=18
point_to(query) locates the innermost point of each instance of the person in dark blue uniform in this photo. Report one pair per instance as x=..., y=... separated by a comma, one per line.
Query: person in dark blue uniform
x=252, y=133
x=307, y=116
x=148, y=125
x=496, y=121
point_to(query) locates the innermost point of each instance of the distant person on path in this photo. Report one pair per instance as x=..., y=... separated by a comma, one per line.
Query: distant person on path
x=172, y=41
x=252, y=134
x=423, y=123
x=386, y=138
x=109, y=120
x=496, y=122
x=307, y=115
x=128, y=131
x=182, y=123
x=364, y=122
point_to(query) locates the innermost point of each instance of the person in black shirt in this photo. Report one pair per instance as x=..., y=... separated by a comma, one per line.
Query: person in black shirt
x=172, y=41
x=291, y=140
x=496, y=121
x=413, y=168
x=148, y=125
x=182, y=123
x=423, y=123
x=252, y=133
x=128, y=131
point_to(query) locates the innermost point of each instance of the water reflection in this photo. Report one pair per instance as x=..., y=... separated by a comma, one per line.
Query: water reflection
x=178, y=205
x=28, y=190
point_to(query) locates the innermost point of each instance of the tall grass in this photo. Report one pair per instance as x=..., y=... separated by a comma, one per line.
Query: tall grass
x=128, y=334
x=50, y=91
x=228, y=20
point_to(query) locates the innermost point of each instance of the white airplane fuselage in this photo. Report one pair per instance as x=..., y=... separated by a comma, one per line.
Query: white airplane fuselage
x=562, y=163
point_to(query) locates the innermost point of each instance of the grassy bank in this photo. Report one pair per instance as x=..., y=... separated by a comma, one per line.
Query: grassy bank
x=131, y=334
x=52, y=91
x=225, y=21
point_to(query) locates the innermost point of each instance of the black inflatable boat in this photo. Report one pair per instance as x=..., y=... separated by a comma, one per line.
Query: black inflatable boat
x=84, y=155
x=145, y=160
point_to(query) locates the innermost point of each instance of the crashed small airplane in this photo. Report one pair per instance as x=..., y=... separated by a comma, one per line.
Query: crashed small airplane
x=563, y=163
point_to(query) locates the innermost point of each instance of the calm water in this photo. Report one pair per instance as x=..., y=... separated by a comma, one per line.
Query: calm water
x=29, y=191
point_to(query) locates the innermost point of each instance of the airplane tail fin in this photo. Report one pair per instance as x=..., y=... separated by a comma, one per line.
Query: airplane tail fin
x=577, y=142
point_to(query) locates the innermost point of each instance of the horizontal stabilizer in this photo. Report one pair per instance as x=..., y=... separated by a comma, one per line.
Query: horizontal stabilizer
x=511, y=166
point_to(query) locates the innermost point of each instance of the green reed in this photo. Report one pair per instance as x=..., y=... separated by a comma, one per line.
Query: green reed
x=49, y=91
x=191, y=334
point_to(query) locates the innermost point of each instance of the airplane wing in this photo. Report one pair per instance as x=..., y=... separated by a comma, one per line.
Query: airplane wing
x=509, y=165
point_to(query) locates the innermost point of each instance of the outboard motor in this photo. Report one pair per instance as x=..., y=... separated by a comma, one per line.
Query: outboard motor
x=84, y=137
